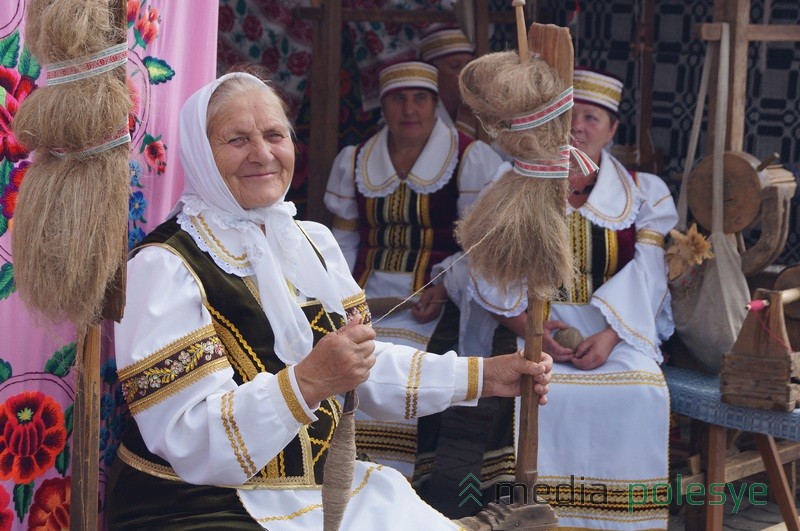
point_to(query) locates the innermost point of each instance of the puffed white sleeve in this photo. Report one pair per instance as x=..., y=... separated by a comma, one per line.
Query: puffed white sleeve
x=479, y=166
x=335, y=261
x=409, y=383
x=404, y=382
x=340, y=198
x=508, y=303
x=179, y=385
x=635, y=301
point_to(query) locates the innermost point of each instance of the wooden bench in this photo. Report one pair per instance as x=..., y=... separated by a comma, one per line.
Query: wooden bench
x=697, y=396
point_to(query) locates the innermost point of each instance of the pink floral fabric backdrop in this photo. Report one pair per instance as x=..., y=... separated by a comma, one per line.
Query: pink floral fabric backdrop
x=172, y=52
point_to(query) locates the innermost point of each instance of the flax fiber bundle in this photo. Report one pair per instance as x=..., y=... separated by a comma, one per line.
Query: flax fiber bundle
x=69, y=226
x=81, y=113
x=59, y=30
x=67, y=238
x=521, y=218
x=73, y=115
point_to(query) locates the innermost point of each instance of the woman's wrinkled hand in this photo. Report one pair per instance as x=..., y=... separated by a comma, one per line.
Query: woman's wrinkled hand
x=502, y=375
x=551, y=346
x=339, y=362
x=430, y=303
x=594, y=351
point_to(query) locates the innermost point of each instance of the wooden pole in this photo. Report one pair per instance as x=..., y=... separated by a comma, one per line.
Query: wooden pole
x=528, y=453
x=648, y=159
x=481, y=27
x=325, y=84
x=522, y=32
x=737, y=14
x=85, y=482
x=86, y=433
x=554, y=44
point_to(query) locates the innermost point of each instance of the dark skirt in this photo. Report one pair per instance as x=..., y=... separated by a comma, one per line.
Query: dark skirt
x=136, y=500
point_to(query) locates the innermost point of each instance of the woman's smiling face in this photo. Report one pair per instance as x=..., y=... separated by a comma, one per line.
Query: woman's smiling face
x=252, y=146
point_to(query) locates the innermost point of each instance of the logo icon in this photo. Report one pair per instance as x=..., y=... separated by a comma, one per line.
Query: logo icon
x=470, y=490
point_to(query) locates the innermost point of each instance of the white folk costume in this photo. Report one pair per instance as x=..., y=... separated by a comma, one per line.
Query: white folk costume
x=392, y=233
x=218, y=313
x=606, y=428
x=465, y=121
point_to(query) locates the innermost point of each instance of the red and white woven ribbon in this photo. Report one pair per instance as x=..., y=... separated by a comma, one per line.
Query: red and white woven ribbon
x=83, y=67
x=561, y=104
x=557, y=168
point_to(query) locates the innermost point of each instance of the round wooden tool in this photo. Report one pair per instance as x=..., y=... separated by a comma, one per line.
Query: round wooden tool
x=741, y=191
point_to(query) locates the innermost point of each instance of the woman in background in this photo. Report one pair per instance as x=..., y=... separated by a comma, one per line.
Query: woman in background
x=395, y=199
x=608, y=428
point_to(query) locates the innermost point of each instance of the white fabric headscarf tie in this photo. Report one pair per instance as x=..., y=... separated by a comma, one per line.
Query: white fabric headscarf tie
x=279, y=253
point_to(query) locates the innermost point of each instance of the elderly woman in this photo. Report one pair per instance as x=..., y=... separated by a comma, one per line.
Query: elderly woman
x=235, y=343
x=395, y=199
x=609, y=426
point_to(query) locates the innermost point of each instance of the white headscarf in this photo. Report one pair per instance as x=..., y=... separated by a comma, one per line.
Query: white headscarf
x=279, y=253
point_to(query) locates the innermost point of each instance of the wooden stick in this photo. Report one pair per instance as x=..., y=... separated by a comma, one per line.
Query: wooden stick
x=528, y=451
x=522, y=32
x=86, y=434
x=85, y=483
x=555, y=46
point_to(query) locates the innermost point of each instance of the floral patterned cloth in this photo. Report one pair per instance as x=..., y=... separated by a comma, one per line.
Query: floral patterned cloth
x=37, y=380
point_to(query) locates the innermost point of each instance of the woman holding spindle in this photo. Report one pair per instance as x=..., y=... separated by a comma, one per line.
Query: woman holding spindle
x=608, y=427
x=241, y=327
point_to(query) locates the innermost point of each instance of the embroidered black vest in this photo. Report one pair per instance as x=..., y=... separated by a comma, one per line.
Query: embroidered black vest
x=244, y=331
x=407, y=231
x=598, y=253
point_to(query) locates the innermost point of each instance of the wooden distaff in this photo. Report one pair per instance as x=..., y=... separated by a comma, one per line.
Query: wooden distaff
x=70, y=241
x=554, y=45
x=516, y=231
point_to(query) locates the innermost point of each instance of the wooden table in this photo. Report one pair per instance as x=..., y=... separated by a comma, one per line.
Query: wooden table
x=697, y=396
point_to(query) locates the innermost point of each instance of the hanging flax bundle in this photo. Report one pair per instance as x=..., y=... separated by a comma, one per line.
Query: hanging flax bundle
x=60, y=30
x=74, y=115
x=67, y=238
x=69, y=227
x=522, y=218
x=82, y=112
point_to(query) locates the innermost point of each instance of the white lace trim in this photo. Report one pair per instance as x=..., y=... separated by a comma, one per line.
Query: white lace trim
x=186, y=223
x=642, y=345
x=412, y=181
x=519, y=305
x=598, y=218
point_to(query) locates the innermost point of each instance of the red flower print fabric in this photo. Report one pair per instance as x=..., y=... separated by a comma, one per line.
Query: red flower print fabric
x=32, y=434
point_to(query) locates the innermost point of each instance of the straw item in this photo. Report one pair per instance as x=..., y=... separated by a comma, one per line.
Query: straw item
x=528, y=235
x=69, y=237
x=64, y=253
x=524, y=216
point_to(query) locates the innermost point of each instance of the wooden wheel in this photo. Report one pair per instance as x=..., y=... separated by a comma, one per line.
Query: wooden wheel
x=751, y=194
x=741, y=189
